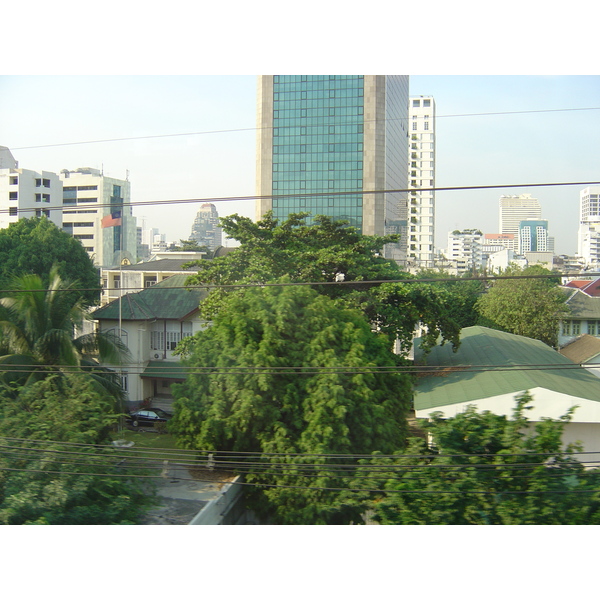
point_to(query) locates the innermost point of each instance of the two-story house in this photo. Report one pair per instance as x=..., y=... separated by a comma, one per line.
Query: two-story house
x=583, y=300
x=151, y=323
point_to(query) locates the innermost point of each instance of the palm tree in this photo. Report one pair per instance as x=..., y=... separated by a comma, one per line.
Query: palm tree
x=37, y=336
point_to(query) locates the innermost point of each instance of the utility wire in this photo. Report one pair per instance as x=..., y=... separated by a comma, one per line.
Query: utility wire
x=245, y=129
x=354, y=282
x=297, y=195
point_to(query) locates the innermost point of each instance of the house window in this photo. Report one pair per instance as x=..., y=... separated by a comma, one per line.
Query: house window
x=157, y=340
x=593, y=328
x=571, y=327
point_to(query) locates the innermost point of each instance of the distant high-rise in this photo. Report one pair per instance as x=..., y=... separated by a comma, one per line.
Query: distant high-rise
x=330, y=145
x=96, y=211
x=513, y=210
x=421, y=173
x=588, y=246
x=25, y=193
x=465, y=247
x=533, y=236
x=206, y=230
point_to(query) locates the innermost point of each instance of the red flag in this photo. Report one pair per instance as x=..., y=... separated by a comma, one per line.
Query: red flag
x=111, y=220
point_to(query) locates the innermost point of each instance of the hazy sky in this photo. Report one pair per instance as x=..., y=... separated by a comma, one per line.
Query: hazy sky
x=538, y=147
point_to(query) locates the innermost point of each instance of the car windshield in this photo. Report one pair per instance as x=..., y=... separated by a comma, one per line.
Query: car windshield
x=161, y=413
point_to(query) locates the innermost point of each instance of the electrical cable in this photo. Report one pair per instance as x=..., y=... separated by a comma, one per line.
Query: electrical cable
x=304, y=195
x=245, y=129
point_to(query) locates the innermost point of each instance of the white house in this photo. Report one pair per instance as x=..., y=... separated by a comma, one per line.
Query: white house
x=491, y=368
x=151, y=323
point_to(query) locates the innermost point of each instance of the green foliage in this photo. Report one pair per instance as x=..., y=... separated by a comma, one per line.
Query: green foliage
x=487, y=469
x=44, y=482
x=34, y=246
x=291, y=372
x=319, y=253
x=464, y=292
x=527, y=307
x=36, y=336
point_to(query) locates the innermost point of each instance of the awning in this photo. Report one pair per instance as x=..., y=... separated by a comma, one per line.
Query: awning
x=160, y=369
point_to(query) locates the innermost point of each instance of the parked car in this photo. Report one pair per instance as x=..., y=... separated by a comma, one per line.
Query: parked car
x=148, y=417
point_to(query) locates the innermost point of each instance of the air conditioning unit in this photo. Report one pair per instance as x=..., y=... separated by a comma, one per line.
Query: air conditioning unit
x=157, y=356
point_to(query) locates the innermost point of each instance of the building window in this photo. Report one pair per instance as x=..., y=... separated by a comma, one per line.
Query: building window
x=38, y=183
x=592, y=327
x=416, y=103
x=12, y=211
x=14, y=180
x=46, y=183
x=414, y=125
x=13, y=195
x=426, y=103
x=426, y=125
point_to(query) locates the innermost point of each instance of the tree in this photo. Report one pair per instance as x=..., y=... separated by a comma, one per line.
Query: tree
x=528, y=307
x=56, y=466
x=37, y=336
x=33, y=246
x=324, y=252
x=188, y=246
x=487, y=469
x=287, y=371
x=465, y=293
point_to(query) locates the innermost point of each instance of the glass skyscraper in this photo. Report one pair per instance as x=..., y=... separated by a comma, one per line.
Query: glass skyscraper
x=330, y=145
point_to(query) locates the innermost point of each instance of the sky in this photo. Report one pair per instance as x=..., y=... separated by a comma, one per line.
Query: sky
x=209, y=144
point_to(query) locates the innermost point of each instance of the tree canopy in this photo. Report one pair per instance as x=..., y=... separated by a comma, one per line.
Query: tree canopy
x=34, y=246
x=325, y=252
x=287, y=371
x=487, y=469
x=37, y=336
x=57, y=466
x=527, y=307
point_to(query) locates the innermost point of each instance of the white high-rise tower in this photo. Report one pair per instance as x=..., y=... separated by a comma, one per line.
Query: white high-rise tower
x=421, y=174
x=513, y=210
x=588, y=239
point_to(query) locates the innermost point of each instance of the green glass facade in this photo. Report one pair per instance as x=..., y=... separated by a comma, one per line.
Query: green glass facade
x=318, y=145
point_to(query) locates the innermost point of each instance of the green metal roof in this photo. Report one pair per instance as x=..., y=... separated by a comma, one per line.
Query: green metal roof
x=483, y=346
x=162, y=369
x=165, y=300
x=583, y=306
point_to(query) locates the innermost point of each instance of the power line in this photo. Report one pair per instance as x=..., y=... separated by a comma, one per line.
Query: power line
x=302, y=195
x=353, y=282
x=245, y=129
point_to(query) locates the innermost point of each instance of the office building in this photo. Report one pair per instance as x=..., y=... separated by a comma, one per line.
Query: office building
x=96, y=212
x=25, y=193
x=588, y=239
x=465, y=248
x=421, y=177
x=330, y=145
x=513, y=210
x=205, y=229
x=533, y=236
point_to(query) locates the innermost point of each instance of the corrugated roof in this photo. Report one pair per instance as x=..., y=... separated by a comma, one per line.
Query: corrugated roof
x=162, y=369
x=483, y=346
x=165, y=300
x=583, y=306
x=582, y=348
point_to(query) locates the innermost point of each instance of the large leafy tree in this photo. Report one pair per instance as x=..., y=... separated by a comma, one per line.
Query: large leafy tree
x=486, y=469
x=529, y=307
x=34, y=246
x=37, y=336
x=287, y=371
x=325, y=252
x=57, y=466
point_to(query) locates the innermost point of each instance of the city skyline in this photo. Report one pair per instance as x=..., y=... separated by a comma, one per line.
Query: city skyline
x=205, y=144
